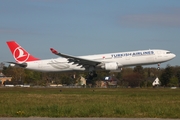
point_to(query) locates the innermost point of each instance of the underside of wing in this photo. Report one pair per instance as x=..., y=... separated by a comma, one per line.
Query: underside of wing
x=77, y=60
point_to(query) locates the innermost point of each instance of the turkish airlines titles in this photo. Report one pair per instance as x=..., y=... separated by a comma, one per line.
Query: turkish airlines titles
x=139, y=53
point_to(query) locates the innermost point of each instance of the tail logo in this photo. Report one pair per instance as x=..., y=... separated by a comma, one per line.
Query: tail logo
x=20, y=55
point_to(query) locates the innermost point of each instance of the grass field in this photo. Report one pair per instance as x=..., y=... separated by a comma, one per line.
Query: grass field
x=71, y=102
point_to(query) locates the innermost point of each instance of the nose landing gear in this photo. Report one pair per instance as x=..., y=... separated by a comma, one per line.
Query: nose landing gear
x=158, y=66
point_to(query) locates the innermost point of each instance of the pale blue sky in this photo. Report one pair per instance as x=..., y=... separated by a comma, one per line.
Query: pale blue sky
x=82, y=27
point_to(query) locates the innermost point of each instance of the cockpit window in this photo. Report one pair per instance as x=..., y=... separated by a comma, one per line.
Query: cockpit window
x=168, y=52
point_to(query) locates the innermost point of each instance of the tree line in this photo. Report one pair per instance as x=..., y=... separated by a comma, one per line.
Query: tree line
x=134, y=76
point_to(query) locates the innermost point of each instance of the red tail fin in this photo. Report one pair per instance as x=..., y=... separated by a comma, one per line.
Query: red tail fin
x=19, y=53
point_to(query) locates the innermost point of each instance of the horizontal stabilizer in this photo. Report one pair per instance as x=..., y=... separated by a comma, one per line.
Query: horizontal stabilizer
x=19, y=64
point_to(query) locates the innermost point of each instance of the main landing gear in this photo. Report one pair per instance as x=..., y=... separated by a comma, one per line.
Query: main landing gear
x=91, y=75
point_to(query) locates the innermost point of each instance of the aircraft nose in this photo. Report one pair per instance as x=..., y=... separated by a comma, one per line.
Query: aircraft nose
x=174, y=55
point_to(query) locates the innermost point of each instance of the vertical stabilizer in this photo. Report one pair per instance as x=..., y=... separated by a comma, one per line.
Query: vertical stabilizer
x=19, y=53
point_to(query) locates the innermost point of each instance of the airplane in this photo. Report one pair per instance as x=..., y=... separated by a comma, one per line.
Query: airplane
x=109, y=61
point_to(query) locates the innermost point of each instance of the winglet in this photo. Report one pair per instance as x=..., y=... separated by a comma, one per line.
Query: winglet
x=54, y=51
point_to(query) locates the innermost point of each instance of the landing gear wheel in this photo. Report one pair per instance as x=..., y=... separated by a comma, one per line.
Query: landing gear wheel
x=158, y=66
x=92, y=75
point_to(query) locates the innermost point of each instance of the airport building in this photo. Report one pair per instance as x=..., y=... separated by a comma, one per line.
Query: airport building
x=3, y=78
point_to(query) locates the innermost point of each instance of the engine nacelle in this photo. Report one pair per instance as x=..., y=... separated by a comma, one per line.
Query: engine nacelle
x=111, y=66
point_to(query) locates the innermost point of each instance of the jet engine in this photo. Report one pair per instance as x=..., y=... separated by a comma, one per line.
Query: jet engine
x=111, y=66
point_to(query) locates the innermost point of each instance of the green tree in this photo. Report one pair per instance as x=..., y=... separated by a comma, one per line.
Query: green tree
x=178, y=75
x=173, y=82
x=133, y=79
x=139, y=69
x=166, y=76
x=32, y=77
x=17, y=73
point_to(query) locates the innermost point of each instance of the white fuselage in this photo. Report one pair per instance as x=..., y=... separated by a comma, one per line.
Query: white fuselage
x=123, y=59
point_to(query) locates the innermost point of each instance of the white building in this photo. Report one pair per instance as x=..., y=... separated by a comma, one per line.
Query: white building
x=156, y=82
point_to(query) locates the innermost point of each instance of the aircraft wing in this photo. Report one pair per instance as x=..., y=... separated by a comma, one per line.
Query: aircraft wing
x=76, y=60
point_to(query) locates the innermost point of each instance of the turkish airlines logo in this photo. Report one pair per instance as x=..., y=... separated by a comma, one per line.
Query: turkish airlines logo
x=20, y=55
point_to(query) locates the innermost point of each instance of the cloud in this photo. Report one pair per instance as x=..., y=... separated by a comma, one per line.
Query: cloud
x=151, y=20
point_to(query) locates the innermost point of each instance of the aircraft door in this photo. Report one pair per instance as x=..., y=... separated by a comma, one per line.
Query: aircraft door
x=158, y=56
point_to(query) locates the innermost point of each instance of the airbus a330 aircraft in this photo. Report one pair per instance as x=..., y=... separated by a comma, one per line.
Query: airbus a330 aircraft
x=111, y=61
